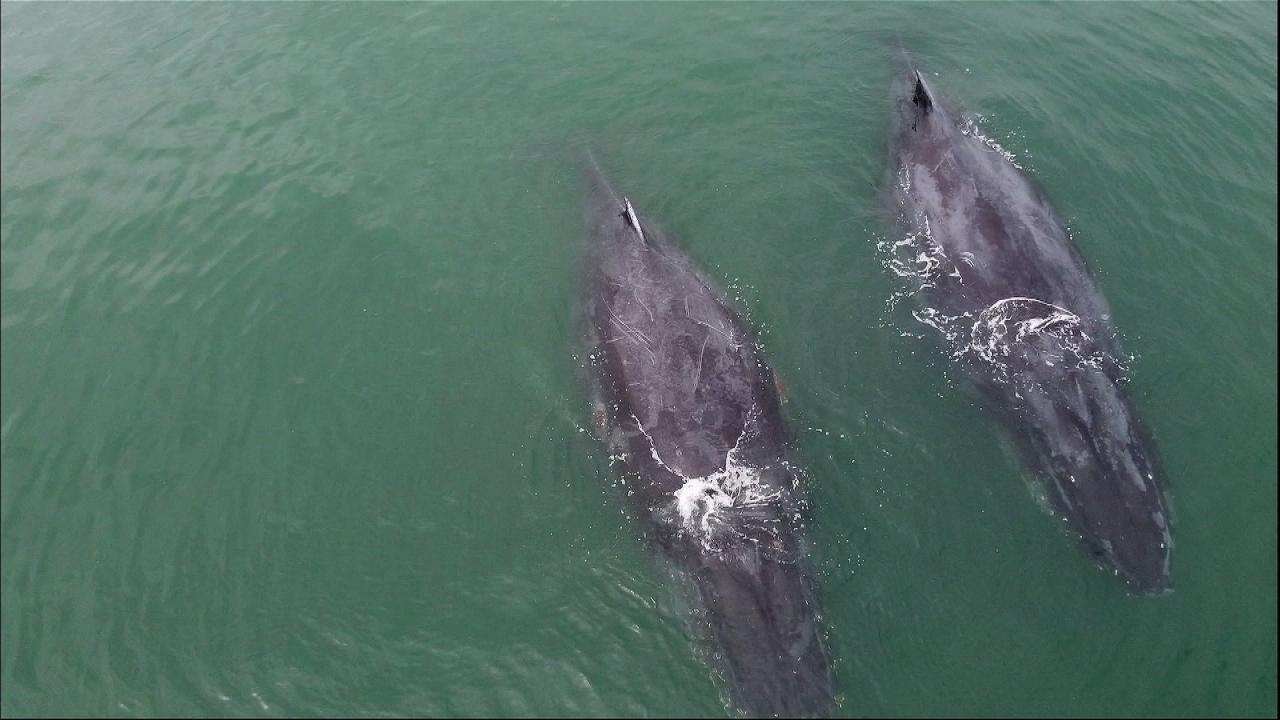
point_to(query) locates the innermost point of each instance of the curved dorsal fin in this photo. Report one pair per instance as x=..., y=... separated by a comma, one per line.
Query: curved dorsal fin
x=629, y=215
x=923, y=103
x=921, y=96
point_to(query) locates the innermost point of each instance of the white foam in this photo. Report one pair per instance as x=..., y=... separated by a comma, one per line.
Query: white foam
x=706, y=505
x=994, y=333
x=1013, y=320
x=974, y=130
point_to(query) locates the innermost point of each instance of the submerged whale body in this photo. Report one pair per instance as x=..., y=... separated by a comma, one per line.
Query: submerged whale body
x=691, y=417
x=1005, y=285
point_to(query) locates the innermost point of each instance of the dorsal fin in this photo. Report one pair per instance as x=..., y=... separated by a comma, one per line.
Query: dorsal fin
x=629, y=214
x=921, y=96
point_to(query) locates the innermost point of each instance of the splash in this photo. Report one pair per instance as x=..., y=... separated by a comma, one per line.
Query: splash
x=972, y=129
x=1011, y=332
x=915, y=258
x=710, y=506
x=725, y=506
x=921, y=263
x=1015, y=329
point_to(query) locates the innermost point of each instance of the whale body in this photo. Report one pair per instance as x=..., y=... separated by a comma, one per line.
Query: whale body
x=691, y=416
x=1019, y=311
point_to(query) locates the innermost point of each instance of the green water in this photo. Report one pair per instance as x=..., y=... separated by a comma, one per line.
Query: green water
x=292, y=422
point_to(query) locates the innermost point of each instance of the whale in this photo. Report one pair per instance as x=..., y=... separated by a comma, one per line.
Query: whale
x=691, y=417
x=1000, y=279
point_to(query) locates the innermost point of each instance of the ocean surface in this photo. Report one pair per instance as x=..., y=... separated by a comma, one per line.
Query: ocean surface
x=293, y=419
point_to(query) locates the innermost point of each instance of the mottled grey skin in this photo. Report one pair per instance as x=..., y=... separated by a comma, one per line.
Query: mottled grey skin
x=679, y=387
x=1059, y=389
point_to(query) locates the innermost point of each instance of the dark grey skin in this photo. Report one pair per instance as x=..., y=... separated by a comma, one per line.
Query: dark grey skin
x=691, y=416
x=1024, y=318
